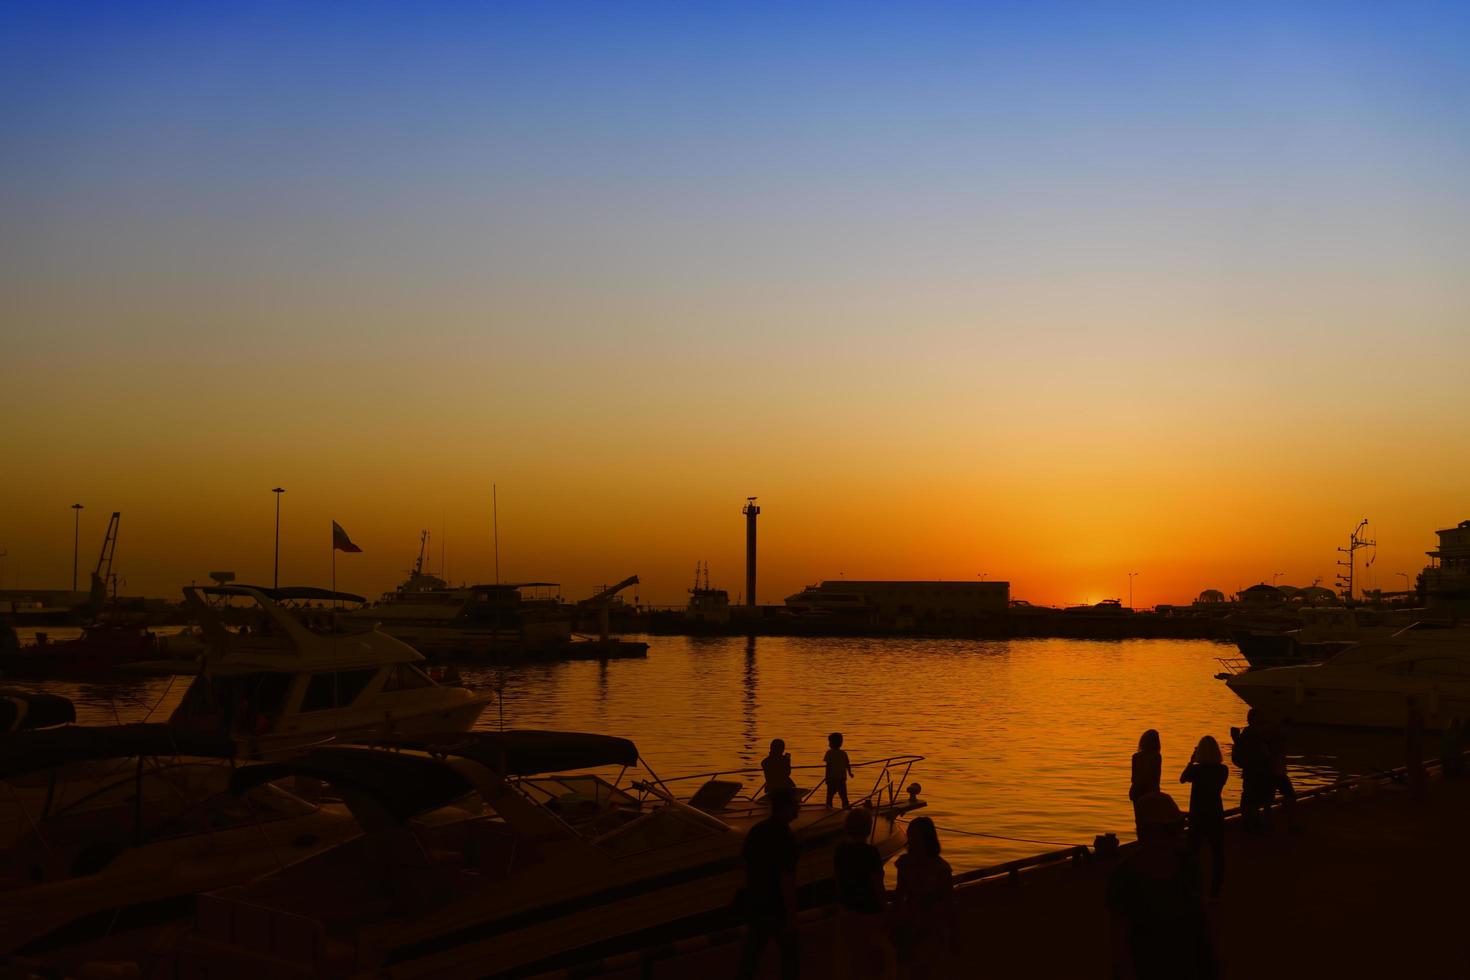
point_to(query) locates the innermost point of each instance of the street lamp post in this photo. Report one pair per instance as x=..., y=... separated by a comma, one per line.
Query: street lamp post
x=1130, y=589
x=1405, y=577
x=276, y=573
x=76, y=542
x=1275, y=576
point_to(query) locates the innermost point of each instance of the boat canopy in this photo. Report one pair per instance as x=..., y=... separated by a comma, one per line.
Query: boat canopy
x=21, y=710
x=31, y=751
x=304, y=593
x=525, y=752
x=403, y=786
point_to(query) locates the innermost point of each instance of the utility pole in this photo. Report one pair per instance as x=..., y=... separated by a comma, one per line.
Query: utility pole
x=276, y=573
x=76, y=540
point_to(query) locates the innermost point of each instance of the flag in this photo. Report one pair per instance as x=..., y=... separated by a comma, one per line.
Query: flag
x=340, y=540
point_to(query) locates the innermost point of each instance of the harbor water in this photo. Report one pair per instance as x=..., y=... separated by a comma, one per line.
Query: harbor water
x=1027, y=739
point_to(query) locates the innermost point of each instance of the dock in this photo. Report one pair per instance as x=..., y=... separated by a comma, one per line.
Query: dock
x=1374, y=884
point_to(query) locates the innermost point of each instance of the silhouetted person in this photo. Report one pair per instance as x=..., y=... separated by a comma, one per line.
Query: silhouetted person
x=1206, y=774
x=1452, y=749
x=777, y=767
x=770, y=853
x=1414, y=747
x=1252, y=756
x=1275, y=735
x=1148, y=765
x=839, y=767
x=924, y=904
x=1159, y=926
x=858, y=869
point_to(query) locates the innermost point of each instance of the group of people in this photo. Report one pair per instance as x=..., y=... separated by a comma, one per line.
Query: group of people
x=1160, y=927
x=777, y=768
x=914, y=933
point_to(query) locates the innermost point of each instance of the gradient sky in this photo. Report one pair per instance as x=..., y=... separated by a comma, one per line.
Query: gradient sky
x=1049, y=292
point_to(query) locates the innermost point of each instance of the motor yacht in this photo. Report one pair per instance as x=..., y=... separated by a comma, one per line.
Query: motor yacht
x=282, y=668
x=558, y=863
x=110, y=832
x=1370, y=684
x=1317, y=632
x=478, y=622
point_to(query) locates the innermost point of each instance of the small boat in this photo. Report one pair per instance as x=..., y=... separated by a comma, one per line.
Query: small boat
x=103, y=647
x=22, y=710
x=111, y=832
x=1370, y=684
x=288, y=670
x=556, y=865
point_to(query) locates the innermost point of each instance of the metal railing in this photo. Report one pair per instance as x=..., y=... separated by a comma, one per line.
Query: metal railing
x=889, y=776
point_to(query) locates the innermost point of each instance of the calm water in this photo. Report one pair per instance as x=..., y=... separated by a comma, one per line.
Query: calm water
x=1025, y=738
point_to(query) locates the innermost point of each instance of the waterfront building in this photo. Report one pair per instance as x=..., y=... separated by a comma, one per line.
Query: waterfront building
x=1445, y=582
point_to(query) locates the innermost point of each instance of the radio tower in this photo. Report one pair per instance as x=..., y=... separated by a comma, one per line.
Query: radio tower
x=1358, y=539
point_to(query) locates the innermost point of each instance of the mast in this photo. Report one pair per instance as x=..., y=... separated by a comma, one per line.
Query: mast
x=1358, y=539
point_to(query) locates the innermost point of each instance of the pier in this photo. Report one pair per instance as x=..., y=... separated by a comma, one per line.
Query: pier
x=1373, y=885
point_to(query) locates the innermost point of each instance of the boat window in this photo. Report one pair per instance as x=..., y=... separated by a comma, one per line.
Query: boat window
x=234, y=702
x=335, y=689
x=406, y=677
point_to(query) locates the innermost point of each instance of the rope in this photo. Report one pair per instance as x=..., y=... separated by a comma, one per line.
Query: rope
x=1018, y=840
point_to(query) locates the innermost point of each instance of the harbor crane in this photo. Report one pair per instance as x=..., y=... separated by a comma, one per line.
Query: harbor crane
x=602, y=601
x=102, y=574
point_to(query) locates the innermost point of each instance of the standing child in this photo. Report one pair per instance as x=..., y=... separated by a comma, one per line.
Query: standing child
x=839, y=767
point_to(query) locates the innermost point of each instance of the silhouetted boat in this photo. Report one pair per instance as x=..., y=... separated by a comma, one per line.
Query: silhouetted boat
x=1369, y=684
x=104, y=646
x=120, y=828
x=296, y=672
x=553, y=864
x=22, y=710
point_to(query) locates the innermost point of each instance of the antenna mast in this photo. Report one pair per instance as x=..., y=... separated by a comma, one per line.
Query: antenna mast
x=1358, y=539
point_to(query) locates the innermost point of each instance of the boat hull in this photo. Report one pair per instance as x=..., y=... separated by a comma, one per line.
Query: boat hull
x=1282, y=696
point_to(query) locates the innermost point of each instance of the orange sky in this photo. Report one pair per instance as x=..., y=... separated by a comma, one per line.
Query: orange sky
x=1052, y=315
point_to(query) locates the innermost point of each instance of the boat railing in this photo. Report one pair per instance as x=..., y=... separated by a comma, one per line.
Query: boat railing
x=1232, y=666
x=890, y=776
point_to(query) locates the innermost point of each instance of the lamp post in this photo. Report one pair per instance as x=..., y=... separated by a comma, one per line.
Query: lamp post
x=76, y=541
x=276, y=574
x=1403, y=575
x=1130, y=589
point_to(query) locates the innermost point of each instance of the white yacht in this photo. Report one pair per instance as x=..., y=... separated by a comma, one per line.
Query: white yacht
x=554, y=866
x=288, y=669
x=1370, y=684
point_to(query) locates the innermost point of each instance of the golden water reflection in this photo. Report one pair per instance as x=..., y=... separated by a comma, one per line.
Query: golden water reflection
x=1026, y=738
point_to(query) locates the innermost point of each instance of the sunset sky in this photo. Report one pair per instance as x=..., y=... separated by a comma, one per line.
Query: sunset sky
x=1043, y=292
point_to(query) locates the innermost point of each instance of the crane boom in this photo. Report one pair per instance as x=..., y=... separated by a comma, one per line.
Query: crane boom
x=608, y=592
x=103, y=572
